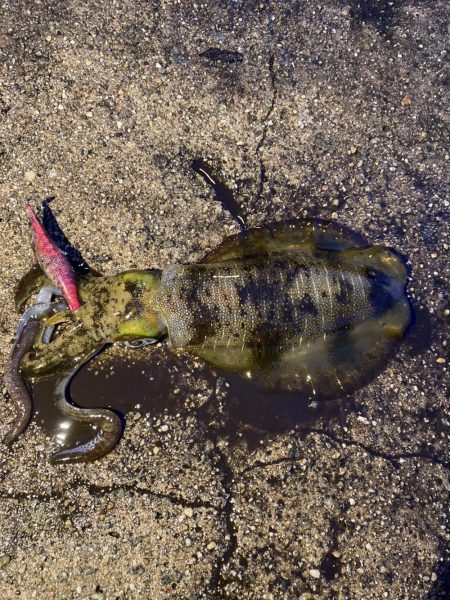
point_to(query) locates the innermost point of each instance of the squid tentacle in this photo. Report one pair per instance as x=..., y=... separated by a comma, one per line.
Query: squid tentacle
x=27, y=330
x=15, y=384
x=46, y=293
x=30, y=284
x=42, y=307
x=35, y=313
x=106, y=422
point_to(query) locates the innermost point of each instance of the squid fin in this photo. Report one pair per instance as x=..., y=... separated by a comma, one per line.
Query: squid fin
x=305, y=235
x=379, y=258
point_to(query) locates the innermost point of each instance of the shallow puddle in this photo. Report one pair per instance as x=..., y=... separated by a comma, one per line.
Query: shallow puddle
x=120, y=383
x=155, y=382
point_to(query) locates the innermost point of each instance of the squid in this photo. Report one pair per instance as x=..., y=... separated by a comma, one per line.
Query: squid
x=306, y=306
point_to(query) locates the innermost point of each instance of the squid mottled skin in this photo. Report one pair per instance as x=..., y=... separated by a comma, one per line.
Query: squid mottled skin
x=306, y=306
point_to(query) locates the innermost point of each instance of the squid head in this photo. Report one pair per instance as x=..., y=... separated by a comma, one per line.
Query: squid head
x=114, y=309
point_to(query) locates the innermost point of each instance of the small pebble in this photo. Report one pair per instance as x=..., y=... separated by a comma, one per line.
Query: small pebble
x=315, y=573
x=177, y=575
x=137, y=570
x=440, y=360
x=161, y=161
x=406, y=101
x=188, y=512
x=5, y=559
x=30, y=176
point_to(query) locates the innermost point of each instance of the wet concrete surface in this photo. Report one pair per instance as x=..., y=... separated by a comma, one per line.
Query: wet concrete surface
x=333, y=110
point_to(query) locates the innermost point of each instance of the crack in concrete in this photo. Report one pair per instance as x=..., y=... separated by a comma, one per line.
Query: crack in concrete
x=266, y=121
x=104, y=490
x=227, y=484
x=262, y=168
x=216, y=582
x=98, y=490
x=19, y=496
x=393, y=459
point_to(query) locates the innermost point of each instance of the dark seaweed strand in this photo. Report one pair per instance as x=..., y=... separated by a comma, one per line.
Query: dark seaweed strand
x=15, y=384
x=223, y=193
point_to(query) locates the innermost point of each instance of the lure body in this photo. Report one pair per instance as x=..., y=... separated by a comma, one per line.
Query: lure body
x=53, y=262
